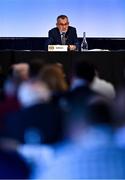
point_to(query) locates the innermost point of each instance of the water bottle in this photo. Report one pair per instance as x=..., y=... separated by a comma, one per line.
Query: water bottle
x=84, y=44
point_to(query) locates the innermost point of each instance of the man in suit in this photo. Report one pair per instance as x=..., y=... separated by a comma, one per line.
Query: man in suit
x=63, y=34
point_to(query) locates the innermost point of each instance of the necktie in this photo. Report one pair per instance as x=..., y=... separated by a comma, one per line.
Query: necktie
x=63, y=38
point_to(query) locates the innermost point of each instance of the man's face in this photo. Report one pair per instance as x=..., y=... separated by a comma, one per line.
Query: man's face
x=62, y=24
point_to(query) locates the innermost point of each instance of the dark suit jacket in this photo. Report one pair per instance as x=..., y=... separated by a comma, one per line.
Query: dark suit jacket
x=55, y=37
x=13, y=166
x=45, y=119
x=77, y=98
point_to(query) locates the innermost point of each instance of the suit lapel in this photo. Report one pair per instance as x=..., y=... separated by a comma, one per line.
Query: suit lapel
x=58, y=37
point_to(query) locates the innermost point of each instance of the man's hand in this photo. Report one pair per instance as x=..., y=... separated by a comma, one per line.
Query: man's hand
x=72, y=47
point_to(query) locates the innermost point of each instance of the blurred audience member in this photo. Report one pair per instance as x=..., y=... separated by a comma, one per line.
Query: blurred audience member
x=54, y=77
x=89, y=151
x=13, y=166
x=10, y=102
x=33, y=92
x=35, y=67
x=38, y=120
x=79, y=92
x=119, y=115
x=103, y=87
x=21, y=71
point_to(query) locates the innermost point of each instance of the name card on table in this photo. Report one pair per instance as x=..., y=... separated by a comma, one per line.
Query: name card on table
x=58, y=48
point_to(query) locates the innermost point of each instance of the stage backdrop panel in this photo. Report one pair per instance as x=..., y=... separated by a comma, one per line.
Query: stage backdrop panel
x=33, y=18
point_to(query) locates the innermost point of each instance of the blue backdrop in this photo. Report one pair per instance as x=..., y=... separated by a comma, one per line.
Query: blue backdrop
x=33, y=18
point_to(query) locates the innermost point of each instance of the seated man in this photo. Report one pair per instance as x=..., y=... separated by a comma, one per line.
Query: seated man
x=63, y=34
